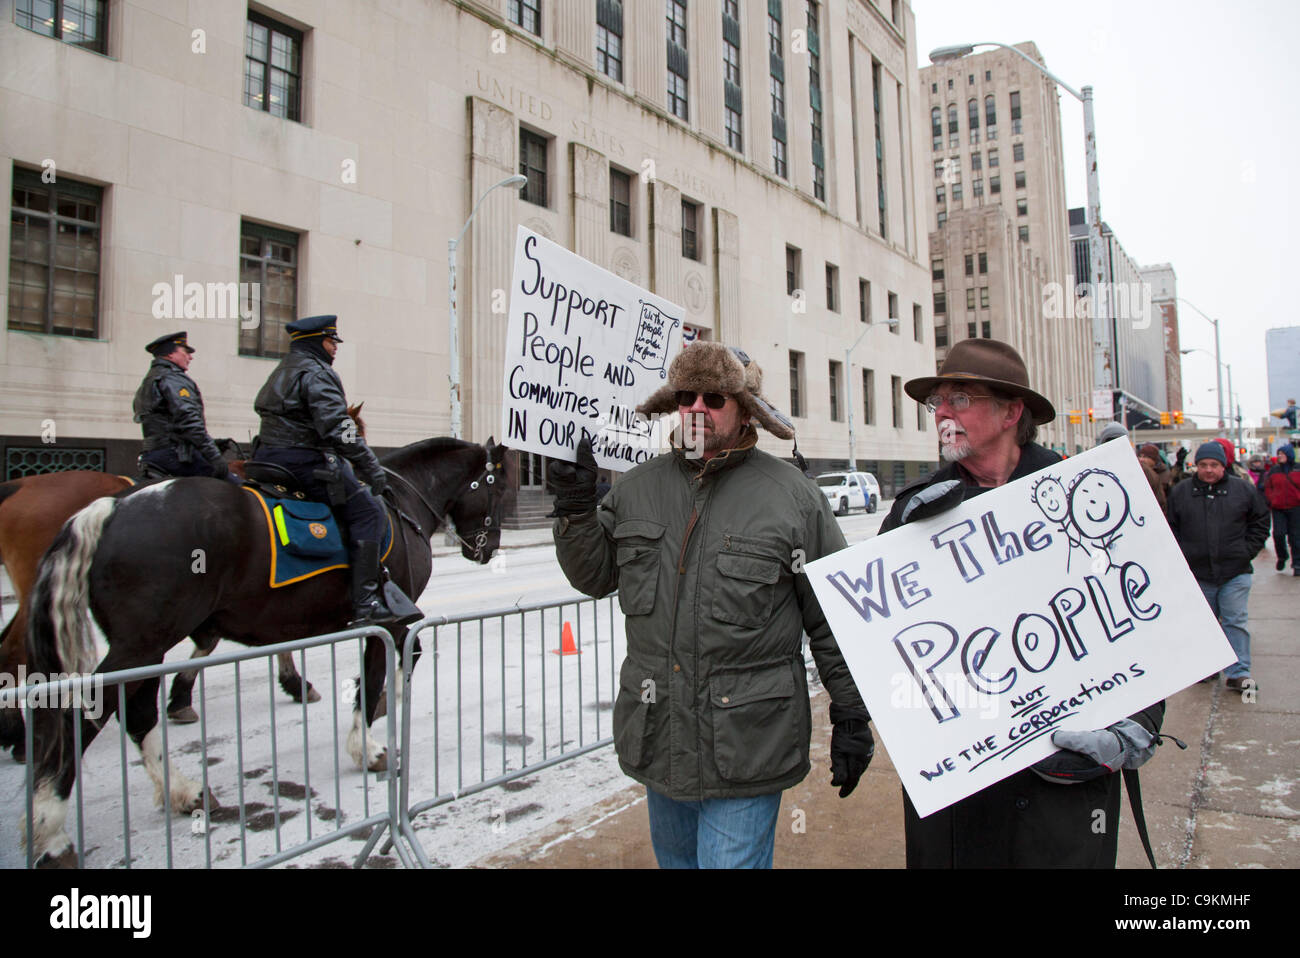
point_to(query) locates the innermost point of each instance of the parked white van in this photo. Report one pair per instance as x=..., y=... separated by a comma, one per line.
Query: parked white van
x=850, y=490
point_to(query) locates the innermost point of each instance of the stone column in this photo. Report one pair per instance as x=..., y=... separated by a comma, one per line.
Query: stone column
x=574, y=30
x=726, y=279
x=645, y=51
x=665, y=240
x=589, y=195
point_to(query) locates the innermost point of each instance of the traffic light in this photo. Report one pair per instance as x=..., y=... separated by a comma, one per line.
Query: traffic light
x=1091, y=417
x=1178, y=417
x=1164, y=419
x=1076, y=417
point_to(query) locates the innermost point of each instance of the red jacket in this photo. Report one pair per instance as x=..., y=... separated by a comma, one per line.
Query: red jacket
x=1282, y=489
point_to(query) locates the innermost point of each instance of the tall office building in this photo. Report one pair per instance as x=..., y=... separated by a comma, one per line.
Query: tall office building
x=997, y=200
x=762, y=165
x=1162, y=284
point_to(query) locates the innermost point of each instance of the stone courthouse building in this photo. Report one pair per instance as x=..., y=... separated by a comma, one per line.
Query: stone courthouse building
x=762, y=164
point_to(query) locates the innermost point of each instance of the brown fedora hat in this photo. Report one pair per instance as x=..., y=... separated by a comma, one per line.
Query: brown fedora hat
x=986, y=361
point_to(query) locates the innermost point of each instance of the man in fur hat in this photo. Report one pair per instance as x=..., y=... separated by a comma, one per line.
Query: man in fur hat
x=987, y=418
x=706, y=545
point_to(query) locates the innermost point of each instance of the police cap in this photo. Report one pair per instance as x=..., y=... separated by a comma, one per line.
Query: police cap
x=309, y=326
x=166, y=345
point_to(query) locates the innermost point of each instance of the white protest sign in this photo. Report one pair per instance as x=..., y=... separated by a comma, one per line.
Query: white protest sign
x=1060, y=600
x=584, y=348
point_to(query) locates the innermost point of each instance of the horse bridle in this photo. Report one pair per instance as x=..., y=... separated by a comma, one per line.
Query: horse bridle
x=481, y=534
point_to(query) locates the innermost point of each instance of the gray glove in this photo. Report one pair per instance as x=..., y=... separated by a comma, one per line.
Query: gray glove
x=1089, y=755
x=933, y=500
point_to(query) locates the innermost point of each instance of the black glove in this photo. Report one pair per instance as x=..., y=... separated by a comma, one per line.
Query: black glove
x=852, y=746
x=933, y=500
x=378, y=483
x=573, y=483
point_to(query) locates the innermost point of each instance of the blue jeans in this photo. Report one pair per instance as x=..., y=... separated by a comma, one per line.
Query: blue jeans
x=715, y=832
x=1229, y=604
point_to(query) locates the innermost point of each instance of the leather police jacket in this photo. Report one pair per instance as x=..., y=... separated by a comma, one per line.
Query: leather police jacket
x=169, y=408
x=302, y=406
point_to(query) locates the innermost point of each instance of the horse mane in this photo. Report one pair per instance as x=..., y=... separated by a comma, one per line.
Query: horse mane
x=420, y=450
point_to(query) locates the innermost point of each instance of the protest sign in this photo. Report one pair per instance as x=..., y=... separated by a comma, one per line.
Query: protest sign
x=584, y=347
x=1060, y=600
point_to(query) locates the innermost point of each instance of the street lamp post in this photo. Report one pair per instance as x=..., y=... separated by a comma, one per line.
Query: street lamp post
x=1218, y=359
x=1101, y=339
x=453, y=328
x=848, y=375
x=1233, y=399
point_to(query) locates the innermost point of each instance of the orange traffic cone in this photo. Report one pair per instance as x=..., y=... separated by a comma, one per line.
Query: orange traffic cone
x=567, y=645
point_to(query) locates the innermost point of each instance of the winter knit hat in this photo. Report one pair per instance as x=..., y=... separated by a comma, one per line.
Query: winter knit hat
x=1211, y=450
x=1113, y=431
x=714, y=368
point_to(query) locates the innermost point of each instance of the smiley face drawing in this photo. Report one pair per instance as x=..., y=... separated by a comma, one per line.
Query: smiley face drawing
x=1049, y=495
x=1099, y=506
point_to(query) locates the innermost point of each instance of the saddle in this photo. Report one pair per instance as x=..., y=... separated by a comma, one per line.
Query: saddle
x=274, y=480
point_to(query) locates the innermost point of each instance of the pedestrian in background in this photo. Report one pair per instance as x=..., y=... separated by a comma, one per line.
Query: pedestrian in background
x=1221, y=523
x=1281, y=487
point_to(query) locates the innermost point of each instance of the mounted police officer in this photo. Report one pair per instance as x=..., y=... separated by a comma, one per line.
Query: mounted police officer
x=169, y=409
x=306, y=429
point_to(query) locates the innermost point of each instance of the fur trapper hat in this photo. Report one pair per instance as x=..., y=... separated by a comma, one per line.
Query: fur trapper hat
x=714, y=368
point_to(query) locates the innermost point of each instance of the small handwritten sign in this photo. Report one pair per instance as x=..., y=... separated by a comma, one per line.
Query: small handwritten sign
x=1057, y=601
x=584, y=348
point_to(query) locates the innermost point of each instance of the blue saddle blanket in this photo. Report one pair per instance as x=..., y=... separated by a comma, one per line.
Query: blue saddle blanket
x=305, y=538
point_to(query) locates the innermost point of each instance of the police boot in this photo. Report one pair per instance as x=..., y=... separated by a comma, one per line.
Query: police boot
x=369, y=606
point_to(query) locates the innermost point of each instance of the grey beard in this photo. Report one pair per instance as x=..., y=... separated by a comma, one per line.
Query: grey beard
x=956, y=451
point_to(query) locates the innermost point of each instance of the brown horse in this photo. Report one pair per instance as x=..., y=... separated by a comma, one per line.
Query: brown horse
x=32, y=511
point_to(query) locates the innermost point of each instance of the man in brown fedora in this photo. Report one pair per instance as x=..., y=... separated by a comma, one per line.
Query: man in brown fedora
x=987, y=417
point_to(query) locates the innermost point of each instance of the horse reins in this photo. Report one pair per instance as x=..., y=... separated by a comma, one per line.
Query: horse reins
x=440, y=518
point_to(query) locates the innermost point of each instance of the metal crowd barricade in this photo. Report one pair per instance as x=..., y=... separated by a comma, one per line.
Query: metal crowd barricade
x=215, y=729
x=499, y=703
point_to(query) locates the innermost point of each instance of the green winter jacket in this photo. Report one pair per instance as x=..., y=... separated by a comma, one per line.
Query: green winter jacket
x=713, y=694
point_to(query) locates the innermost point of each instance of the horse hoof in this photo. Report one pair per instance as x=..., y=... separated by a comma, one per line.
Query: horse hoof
x=380, y=762
x=185, y=715
x=196, y=803
x=312, y=694
x=65, y=859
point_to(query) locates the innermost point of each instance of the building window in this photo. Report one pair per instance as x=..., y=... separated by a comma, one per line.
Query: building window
x=984, y=297
x=1020, y=179
x=918, y=331
x=940, y=336
x=987, y=328
x=793, y=270
x=678, y=60
x=970, y=79
x=1018, y=152
x=620, y=202
x=952, y=118
x=272, y=67
x=532, y=164
x=868, y=397
x=690, y=230
x=779, y=164
x=956, y=192
x=943, y=218
x=990, y=111
x=936, y=269
x=1024, y=234
x=993, y=159
x=973, y=114
x=836, y=402
x=776, y=90
x=1015, y=106
x=796, y=383
x=527, y=14
x=864, y=301
x=975, y=162
x=81, y=23
x=920, y=418
x=995, y=184
x=984, y=262
x=609, y=38
x=970, y=298
x=832, y=288
x=896, y=394
x=939, y=166
x=731, y=62
x=815, y=103
x=939, y=195
x=972, y=330
x=940, y=303
x=876, y=75
x=893, y=312
x=732, y=98
x=735, y=139
x=54, y=255
x=268, y=257
x=970, y=264
x=977, y=187
x=1022, y=207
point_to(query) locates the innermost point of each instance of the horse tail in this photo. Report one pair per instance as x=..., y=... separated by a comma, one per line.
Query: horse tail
x=58, y=631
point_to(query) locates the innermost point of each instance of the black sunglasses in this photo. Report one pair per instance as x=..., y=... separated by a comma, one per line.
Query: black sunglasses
x=686, y=397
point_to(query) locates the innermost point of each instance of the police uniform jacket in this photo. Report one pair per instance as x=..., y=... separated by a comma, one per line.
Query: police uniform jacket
x=708, y=561
x=302, y=406
x=169, y=409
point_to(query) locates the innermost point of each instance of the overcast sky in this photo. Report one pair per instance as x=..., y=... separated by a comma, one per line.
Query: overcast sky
x=1197, y=105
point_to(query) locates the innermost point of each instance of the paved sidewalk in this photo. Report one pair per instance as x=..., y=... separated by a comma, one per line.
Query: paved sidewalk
x=1229, y=801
